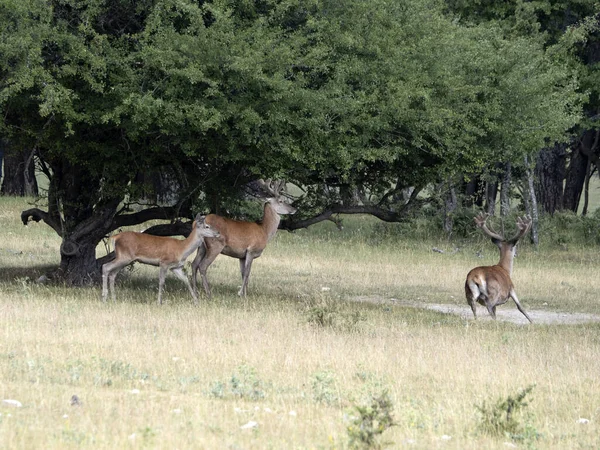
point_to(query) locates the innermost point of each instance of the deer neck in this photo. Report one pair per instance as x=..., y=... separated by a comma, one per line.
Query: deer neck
x=270, y=221
x=191, y=243
x=506, y=259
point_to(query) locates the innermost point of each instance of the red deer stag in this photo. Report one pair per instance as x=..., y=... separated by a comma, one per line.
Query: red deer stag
x=491, y=286
x=242, y=240
x=165, y=252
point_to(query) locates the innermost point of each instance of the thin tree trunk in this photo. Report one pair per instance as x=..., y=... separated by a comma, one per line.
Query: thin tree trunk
x=449, y=208
x=505, y=191
x=531, y=203
x=586, y=189
x=490, y=197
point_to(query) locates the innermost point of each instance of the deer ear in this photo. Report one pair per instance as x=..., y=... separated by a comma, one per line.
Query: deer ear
x=497, y=242
x=199, y=218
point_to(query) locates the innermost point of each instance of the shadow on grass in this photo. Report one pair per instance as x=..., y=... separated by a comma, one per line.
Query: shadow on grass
x=10, y=274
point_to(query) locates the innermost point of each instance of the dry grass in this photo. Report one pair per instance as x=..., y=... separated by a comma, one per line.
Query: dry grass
x=180, y=376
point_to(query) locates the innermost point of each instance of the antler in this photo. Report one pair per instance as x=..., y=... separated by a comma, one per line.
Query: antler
x=480, y=221
x=523, y=225
x=272, y=188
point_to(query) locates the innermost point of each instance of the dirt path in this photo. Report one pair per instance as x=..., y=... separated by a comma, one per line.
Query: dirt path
x=506, y=313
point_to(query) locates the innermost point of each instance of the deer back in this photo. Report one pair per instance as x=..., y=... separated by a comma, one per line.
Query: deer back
x=147, y=247
x=236, y=234
x=496, y=280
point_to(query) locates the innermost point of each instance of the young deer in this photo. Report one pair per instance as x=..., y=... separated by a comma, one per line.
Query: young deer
x=491, y=286
x=165, y=252
x=243, y=240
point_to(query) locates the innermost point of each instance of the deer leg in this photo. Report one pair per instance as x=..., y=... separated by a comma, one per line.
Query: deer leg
x=491, y=308
x=513, y=294
x=111, y=279
x=195, y=265
x=247, y=264
x=207, y=260
x=105, y=274
x=109, y=273
x=472, y=292
x=243, y=268
x=178, y=271
x=161, y=282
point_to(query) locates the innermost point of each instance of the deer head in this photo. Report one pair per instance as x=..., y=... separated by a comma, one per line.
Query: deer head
x=273, y=190
x=507, y=247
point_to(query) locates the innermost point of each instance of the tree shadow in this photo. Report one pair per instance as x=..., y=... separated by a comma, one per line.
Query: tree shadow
x=10, y=274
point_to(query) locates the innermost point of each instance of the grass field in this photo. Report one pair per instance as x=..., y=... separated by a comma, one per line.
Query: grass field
x=287, y=367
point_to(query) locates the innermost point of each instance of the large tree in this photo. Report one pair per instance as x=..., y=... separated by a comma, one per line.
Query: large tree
x=357, y=102
x=571, y=29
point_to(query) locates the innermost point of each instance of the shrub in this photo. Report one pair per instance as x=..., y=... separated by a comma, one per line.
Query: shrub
x=370, y=422
x=327, y=313
x=503, y=417
x=244, y=383
x=323, y=386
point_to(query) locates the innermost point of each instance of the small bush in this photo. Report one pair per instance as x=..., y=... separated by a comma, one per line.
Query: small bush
x=244, y=383
x=327, y=313
x=323, y=387
x=370, y=422
x=503, y=417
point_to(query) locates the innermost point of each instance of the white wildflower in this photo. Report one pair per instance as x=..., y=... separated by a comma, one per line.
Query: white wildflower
x=15, y=403
x=249, y=425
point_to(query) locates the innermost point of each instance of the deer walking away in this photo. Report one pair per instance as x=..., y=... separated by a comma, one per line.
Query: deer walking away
x=239, y=239
x=164, y=252
x=491, y=286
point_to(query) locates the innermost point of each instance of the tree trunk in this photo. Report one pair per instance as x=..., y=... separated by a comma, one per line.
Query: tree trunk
x=19, y=173
x=490, y=197
x=575, y=179
x=550, y=174
x=474, y=190
x=505, y=191
x=449, y=208
x=531, y=204
x=78, y=264
x=586, y=190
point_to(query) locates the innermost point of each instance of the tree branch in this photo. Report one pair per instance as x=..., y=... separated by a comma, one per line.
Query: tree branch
x=165, y=213
x=386, y=215
x=36, y=215
x=171, y=229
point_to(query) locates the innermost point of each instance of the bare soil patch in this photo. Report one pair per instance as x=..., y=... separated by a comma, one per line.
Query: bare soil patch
x=506, y=313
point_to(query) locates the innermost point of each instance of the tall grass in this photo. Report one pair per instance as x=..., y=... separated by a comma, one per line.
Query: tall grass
x=261, y=372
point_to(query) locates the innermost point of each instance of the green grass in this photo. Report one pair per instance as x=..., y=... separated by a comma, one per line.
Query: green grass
x=299, y=354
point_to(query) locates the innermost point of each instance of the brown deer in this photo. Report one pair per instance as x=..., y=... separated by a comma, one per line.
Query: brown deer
x=165, y=252
x=242, y=240
x=491, y=286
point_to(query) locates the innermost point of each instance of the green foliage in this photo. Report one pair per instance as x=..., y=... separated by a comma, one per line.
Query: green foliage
x=370, y=422
x=328, y=313
x=324, y=388
x=503, y=417
x=563, y=229
x=244, y=383
x=372, y=95
x=567, y=228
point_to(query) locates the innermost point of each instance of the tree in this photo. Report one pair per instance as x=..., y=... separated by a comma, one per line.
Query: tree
x=357, y=103
x=570, y=30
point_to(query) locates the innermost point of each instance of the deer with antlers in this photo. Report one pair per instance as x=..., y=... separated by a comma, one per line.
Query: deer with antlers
x=239, y=239
x=491, y=286
x=165, y=252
